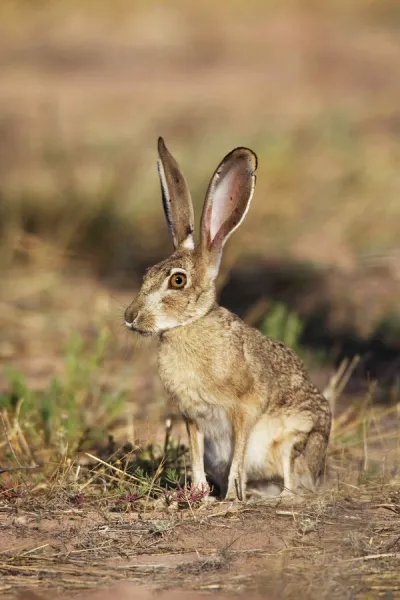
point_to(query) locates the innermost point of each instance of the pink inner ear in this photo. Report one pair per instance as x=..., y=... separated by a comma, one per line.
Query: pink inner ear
x=224, y=201
x=208, y=221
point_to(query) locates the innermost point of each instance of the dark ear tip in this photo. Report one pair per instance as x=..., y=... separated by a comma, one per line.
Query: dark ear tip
x=255, y=159
x=242, y=152
x=251, y=155
x=161, y=143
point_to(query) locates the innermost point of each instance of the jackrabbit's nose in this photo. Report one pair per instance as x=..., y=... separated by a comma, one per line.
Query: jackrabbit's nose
x=129, y=317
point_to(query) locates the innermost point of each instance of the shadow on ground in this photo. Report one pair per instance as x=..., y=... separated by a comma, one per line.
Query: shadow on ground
x=344, y=314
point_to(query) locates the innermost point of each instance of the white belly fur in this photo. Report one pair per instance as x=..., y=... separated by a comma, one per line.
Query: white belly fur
x=263, y=456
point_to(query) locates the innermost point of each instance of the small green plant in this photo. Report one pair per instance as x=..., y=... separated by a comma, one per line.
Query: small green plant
x=281, y=324
x=73, y=412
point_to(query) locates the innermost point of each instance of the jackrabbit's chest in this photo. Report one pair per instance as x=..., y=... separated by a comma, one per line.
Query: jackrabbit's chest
x=188, y=383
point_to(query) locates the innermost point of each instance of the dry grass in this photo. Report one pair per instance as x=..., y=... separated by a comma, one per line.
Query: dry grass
x=343, y=544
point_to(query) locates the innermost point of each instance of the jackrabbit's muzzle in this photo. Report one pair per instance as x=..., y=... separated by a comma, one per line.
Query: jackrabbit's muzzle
x=135, y=323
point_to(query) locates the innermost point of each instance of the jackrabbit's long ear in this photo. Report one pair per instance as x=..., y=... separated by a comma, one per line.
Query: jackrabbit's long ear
x=176, y=198
x=227, y=201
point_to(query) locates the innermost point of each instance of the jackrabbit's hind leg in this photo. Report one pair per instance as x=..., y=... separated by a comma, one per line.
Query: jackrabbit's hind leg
x=303, y=480
x=302, y=463
x=287, y=460
x=297, y=477
x=315, y=452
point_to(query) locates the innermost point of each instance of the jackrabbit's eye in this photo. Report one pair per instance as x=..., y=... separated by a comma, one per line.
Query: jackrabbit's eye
x=177, y=281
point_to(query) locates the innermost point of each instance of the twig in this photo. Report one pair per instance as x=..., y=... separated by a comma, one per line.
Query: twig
x=222, y=513
x=19, y=432
x=367, y=402
x=393, y=507
x=154, y=479
x=20, y=468
x=392, y=543
x=168, y=428
x=373, y=557
x=8, y=440
x=346, y=375
x=286, y=513
x=365, y=441
x=339, y=380
x=34, y=550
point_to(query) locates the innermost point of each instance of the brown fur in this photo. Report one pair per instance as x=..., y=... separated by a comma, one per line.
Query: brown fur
x=250, y=408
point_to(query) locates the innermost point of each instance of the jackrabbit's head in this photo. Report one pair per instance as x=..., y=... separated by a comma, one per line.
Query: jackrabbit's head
x=181, y=289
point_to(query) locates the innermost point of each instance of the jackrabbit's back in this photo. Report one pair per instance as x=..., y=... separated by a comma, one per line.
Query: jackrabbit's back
x=219, y=359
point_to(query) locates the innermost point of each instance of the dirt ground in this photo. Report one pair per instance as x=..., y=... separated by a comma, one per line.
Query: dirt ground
x=344, y=543
x=124, y=592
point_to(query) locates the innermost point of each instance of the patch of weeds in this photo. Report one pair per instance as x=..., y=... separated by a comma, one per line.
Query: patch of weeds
x=187, y=496
x=73, y=413
x=136, y=474
x=130, y=498
x=10, y=491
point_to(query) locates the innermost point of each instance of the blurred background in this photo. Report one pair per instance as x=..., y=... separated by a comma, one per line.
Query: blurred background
x=85, y=90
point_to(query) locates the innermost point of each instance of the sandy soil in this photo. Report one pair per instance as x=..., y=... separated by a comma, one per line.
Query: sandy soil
x=341, y=544
x=124, y=592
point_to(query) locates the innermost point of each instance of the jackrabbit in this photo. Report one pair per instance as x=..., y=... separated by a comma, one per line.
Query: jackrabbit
x=251, y=412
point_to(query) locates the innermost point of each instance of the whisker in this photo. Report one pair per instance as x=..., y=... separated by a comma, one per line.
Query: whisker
x=121, y=308
x=118, y=302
